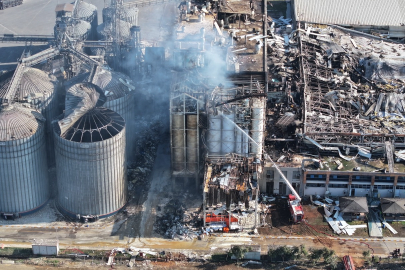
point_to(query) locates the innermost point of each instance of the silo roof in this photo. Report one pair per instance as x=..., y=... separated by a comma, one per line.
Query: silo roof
x=80, y=98
x=35, y=82
x=18, y=122
x=5, y=80
x=124, y=29
x=85, y=10
x=79, y=29
x=111, y=82
x=96, y=125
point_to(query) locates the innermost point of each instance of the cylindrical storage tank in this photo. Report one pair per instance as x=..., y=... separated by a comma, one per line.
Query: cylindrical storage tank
x=238, y=141
x=91, y=164
x=257, y=131
x=130, y=15
x=80, y=30
x=192, y=142
x=105, y=30
x=40, y=90
x=120, y=99
x=23, y=168
x=245, y=142
x=88, y=12
x=228, y=134
x=178, y=143
x=214, y=134
x=5, y=80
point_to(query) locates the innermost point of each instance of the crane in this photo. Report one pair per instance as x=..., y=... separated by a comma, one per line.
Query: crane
x=294, y=200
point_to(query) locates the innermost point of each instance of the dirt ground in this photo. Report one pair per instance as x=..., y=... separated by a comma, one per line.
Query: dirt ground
x=280, y=224
x=69, y=264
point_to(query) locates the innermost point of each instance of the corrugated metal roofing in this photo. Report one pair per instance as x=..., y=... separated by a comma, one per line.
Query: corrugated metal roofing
x=350, y=12
x=18, y=122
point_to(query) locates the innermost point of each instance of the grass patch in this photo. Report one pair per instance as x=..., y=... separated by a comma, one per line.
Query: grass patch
x=356, y=222
x=400, y=223
x=54, y=263
x=10, y=251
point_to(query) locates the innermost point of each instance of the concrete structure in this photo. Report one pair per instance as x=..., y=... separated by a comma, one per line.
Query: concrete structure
x=185, y=133
x=272, y=183
x=383, y=17
x=23, y=167
x=46, y=248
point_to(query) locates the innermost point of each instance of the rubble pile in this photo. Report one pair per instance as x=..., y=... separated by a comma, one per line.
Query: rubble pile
x=175, y=222
x=148, y=140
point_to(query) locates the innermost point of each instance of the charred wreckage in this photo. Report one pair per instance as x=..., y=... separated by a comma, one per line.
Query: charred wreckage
x=260, y=105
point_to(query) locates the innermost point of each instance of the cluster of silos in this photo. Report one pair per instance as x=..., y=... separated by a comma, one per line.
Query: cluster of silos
x=88, y=12
x=119, y=97
x=126, y=14
x=90, y=144
x=125, y=18
x=105, y=31
x=184, y=142
x=23, y=166
x=224, y=137
x=80, y=28
x=26, y=147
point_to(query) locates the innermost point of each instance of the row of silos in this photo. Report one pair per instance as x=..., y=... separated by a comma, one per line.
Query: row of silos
x=88, y=13
x=90, y=160
x=126, y=14
x=185, y=142
x=80, y=28
x=224, y=136
x=117, y=21
x=27, y=142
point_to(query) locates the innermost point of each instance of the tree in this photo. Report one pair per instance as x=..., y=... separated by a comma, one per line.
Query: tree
x=288, y=253
x=316, y=255
x=238, y=252
x=303, y=251
x=328, y=255
x=366, y=255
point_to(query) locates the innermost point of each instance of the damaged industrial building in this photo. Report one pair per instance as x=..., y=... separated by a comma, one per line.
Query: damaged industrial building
x=260, y=105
